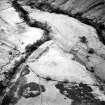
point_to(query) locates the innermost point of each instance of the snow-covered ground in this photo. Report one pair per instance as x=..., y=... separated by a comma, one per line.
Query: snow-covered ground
x=58, y=66
x=16, y=32
x=67, y=30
